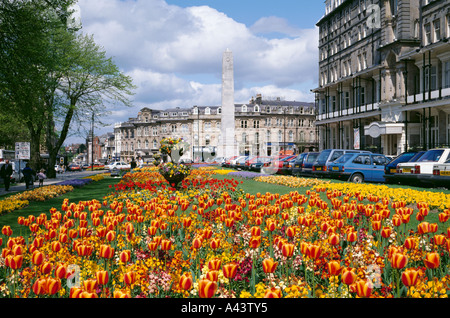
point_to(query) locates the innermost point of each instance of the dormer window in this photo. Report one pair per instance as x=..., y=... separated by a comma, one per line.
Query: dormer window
x=256, y=109
x=195, y=110
x=244, y=108
x=208, y=111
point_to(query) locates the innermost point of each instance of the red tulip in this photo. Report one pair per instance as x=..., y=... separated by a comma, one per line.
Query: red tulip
x=410, y=243
x=129, y=278
x=166, y=244
x=75, y=292
x=274, y=292
x=386, y=232
x=102, y=277
x=287, y=249
x=255, y=241
x=6, y=230
x=111, y=235
x=39, y=287
x=37, y=258
x=106, y=251
x=398, y=260
x=206, y=288
x=214, y=264
x=432, y=260
x=334, y=268
x=269, y=265
x=56, y=246
x=352, y=236
x=90, y=285
x=314, y=251
x=271, y=225
x=212, y=275
x=348, y=276
x=125, y=256
x=291, y=231
x=439, y=239
x=61, y=271
x=186, y=281
x=363, y=288
x=333, y=239
x=215, y=243
x=229, y=270
x=255, y=231
x=423, y=228
x=53, y=285
x=14, y=261
x=410, y=277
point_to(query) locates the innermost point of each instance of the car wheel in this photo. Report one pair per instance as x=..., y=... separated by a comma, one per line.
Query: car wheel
x=357, y=178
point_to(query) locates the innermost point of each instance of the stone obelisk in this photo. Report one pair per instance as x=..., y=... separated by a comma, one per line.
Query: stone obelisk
x=227, y=146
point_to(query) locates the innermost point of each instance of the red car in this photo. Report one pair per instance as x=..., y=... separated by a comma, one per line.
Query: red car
x=277, y=162
x=74, y=167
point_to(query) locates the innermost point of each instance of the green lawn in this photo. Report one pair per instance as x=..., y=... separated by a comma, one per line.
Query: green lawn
x=98, y=190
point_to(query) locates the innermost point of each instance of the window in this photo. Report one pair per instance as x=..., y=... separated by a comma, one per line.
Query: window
x=431, y=77
x=427, y=32
x=155, y=144
x=447, y=74
x=243, y=124
x=207, y=126
x=256, y=109
x=280, y=136
x=437, y=30
x=195, y=110
x=268, y=135
x=256, y=124
x=185, y=128
x=302, y=136
x=219, y=110
x=379, y=160
x=291, y=136
x=208, y=111
x=244, y=108
x=146, y=144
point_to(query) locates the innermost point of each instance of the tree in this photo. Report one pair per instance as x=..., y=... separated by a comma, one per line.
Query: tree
x=50, y=73
x=91, y=85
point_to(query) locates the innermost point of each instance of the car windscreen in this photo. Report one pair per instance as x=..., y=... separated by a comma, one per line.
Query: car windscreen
x=417, y=156
x=344, y=158
x=312, y=157
x=431, y=156
x=323, y=156
x=403, y=158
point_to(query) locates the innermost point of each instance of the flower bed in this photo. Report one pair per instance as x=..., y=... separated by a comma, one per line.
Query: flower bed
x=210, y=239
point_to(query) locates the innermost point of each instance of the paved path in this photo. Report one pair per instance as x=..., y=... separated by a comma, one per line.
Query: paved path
x=19, y=187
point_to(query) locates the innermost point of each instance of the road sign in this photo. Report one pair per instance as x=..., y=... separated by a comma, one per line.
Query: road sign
x=22, y=151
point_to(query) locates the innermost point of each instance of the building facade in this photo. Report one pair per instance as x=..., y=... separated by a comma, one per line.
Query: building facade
x=384, y=75
x=262, y=127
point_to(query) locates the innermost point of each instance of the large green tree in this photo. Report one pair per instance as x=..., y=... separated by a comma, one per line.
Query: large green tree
x=51, y=73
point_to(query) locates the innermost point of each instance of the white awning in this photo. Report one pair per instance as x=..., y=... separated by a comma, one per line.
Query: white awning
x=375, y=129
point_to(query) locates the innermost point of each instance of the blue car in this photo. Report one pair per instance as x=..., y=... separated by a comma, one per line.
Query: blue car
x=359, y=167
x=391, y=168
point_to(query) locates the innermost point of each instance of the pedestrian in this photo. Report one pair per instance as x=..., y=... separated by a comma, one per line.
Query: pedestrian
x=133, y=164
x=41, y=177
x=28, y=176
x=6, y=172
x=141, y=162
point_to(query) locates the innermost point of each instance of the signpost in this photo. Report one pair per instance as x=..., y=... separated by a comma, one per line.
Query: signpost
x=22, y=153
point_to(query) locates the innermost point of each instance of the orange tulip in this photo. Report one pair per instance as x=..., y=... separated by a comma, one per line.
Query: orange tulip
x=75, y=292
x=410, y=243
x=106, y=251
x=398, y=260
x=206, y=288
x=334, y=268
x=348, y=276
x=352, y=236
x=432, y=260
x=363, y=288
x=152, y=246
x=423, y=228
x=129, y=278
x=214, y=264
x=274, y=292
x=102, y=277
x=386, y=232
x=56, y=246
x=90, y=285
x=46, y=267
x=37, y=258
x=269, y=265
x=314, y=251
x=14, y=261
x=410, y=277
x=53, y=285
x=121, y=294
x=85, y=294
x=125, y=256
x=6, y=230
x=61, y=271
x=39, y=286
x=271, y=225
x=287, y=249
x=166, y=244
x=111, y=235
x=333, y=239
x=291, y=231
x=215, y=243
x=230, y=270
x=186, y=281
x=212, y=275
x=439, y=239
x=255, y=242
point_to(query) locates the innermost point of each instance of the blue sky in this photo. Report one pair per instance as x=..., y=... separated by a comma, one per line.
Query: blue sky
x=173, y=48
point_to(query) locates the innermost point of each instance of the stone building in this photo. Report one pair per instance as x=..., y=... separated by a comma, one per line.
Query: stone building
x=262, y=127
x=384, y=75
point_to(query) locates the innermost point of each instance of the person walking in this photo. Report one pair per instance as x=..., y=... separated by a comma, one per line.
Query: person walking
x=133, y=164
x=41, y=176
x=28, y=176
x=6, y=172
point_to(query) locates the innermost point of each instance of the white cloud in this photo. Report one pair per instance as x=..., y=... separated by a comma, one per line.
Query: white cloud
x=169, y=51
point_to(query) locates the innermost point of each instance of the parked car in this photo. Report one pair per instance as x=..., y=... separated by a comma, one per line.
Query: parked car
x=288, y=165
x=240, y=163
x=303, y=166
x=228, y=161
x=359, y=167
x=391, y=168
x=74, y=167
x=233, y=162
x=274, y=166
x=441, y=175
x=118, y=165
x=258, y=163
x=320, y=166
x=59, y=169
x=419, y=171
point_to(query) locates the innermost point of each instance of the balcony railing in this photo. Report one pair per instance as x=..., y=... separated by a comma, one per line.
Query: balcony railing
x=350, y=111
x=422, y=97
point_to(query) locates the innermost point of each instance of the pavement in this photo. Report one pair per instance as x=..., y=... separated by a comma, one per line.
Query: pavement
x=20, y=187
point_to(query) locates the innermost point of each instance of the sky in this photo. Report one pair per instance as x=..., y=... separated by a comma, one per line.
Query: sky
x=172, y=49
